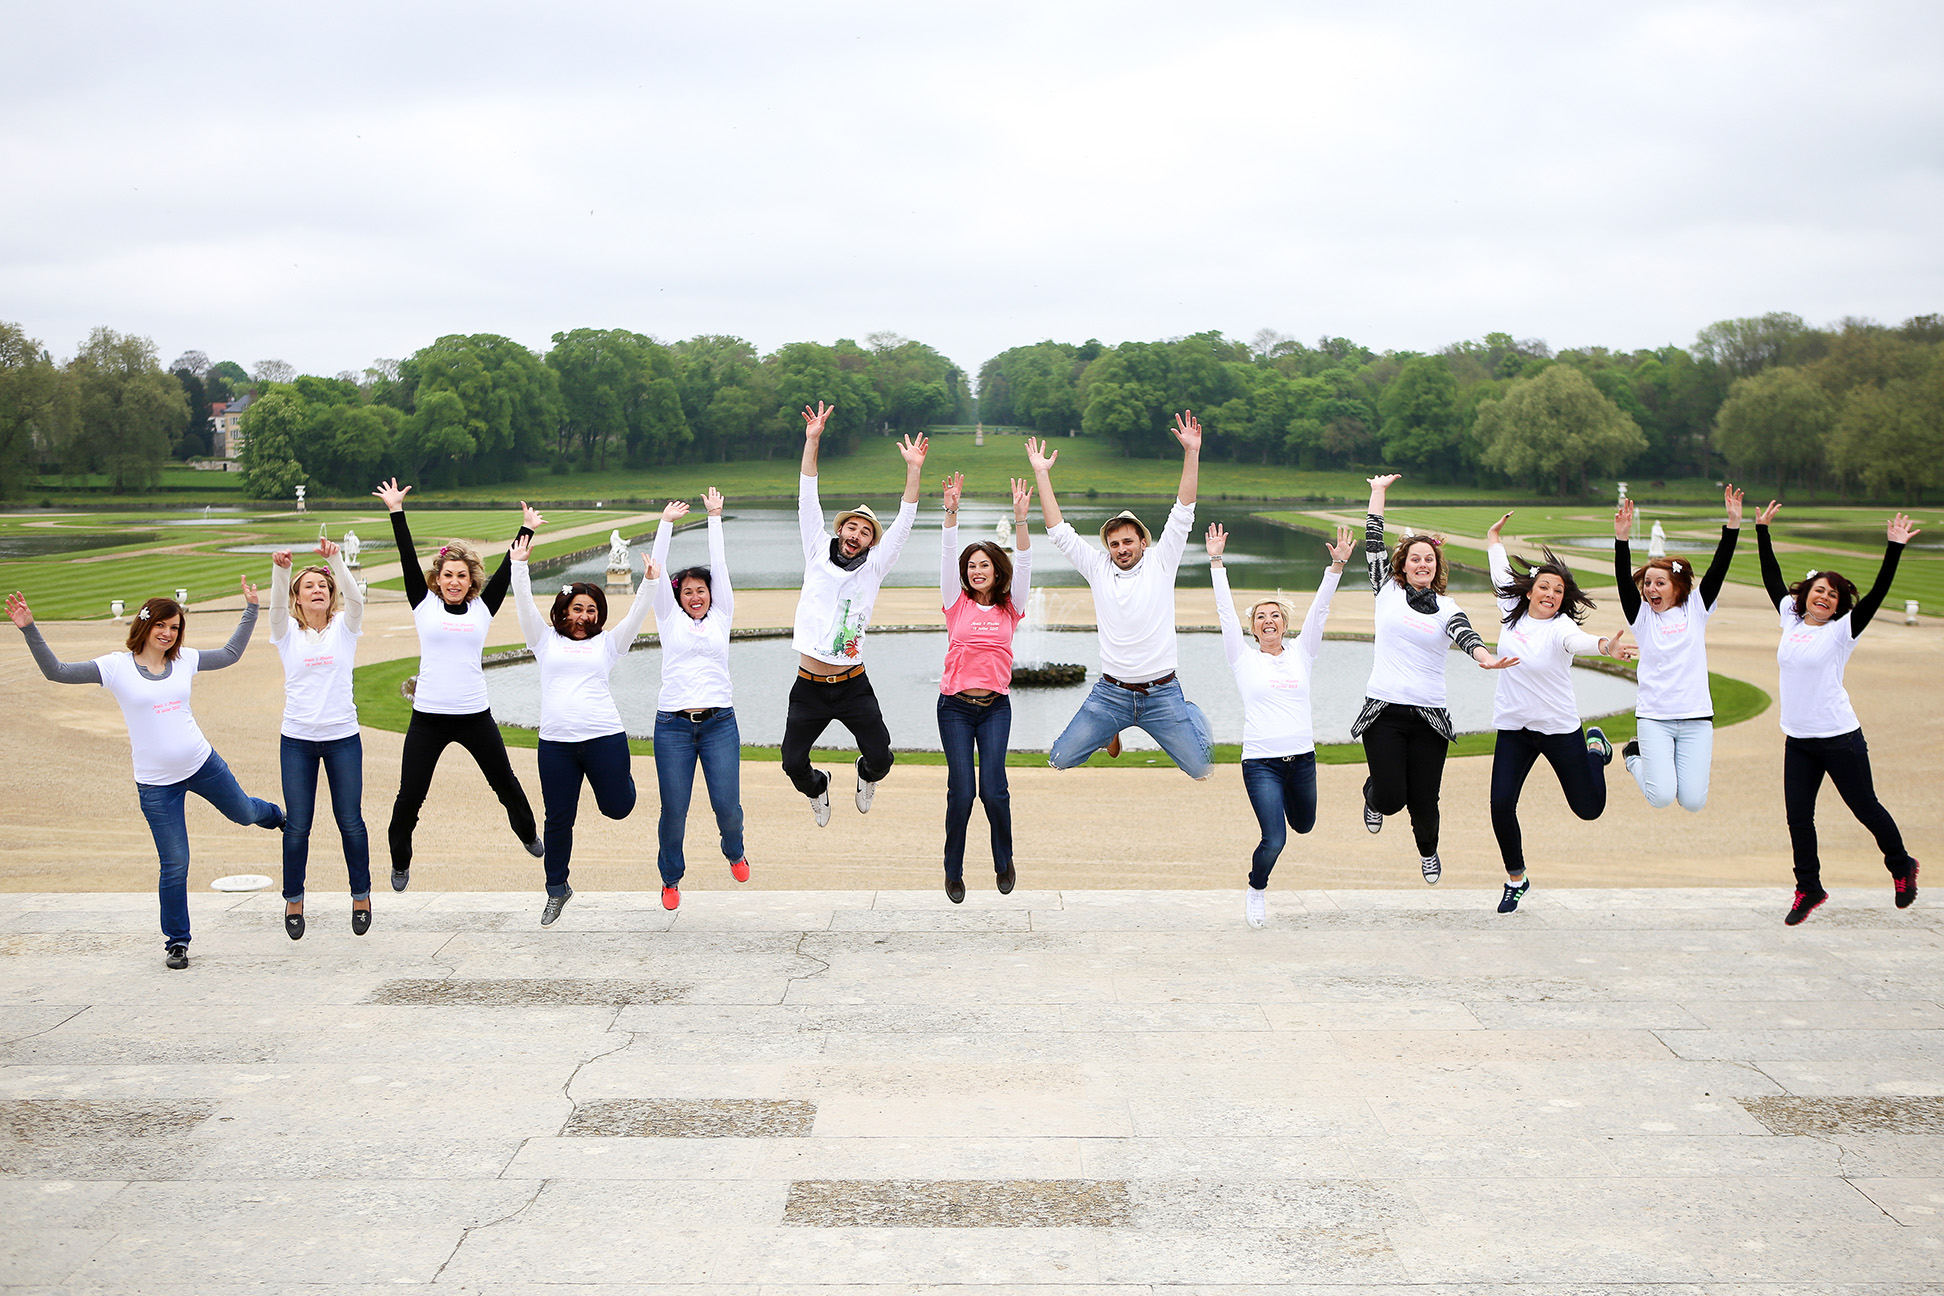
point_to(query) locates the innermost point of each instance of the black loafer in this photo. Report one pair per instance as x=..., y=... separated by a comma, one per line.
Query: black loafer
x=955, y=890
x=294, y=926
x=401, y=878
x=178, y=957
x=360, y=921
x=1006, y=880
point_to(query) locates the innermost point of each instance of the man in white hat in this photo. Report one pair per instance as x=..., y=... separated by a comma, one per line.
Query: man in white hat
x=1133, y=588
x=841, y=576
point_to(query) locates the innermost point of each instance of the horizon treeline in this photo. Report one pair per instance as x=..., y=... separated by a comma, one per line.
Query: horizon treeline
x=1857, y=405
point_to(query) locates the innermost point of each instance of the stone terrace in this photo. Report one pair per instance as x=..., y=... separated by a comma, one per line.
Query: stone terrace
x=1648, y=1091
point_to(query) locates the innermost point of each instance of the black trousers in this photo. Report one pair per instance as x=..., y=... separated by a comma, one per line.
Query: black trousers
x=426, y=739
x=852, y=704
x=1406, y=757
x=1846, y=759
x=1582, y=777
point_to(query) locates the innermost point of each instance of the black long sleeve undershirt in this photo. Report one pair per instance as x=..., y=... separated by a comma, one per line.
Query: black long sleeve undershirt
x=1624, y=581
x=1772, y=581
x=1717, y=573
x=496, y=585
x=1867, y=606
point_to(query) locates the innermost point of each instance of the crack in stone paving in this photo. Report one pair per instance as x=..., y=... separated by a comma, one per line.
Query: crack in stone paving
x=823, y=966
x=468, y=1230
x=43, y=1030
x=568, y=1084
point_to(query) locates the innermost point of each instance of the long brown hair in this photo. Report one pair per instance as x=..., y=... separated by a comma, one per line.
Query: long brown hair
x=1403, y=547
x=154, y=613
x=1680, y=574
x=330, y=581
x=1573, y=603
x=1001, y=572
x=457, y=551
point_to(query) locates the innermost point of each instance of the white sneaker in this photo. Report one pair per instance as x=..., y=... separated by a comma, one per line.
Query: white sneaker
x=865, y=792
x=1258, y=907
x=820, y=803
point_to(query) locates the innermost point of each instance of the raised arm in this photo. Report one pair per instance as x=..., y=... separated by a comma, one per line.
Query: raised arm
x=1375, y=554
x=394, y=497
x=1623, y=561
x=1022, y=581
x=813, y=429
x=502, y=578
x=722, y=594
x=279, y=595
x=1900, y=534
x=347, y=582
x=1041, y=461
x=885, y=555
x=1772, y=581
x=1724, y=553
x=948, y=581
x=622, y=636
x=1233, y=645
x=1187, y=429
x=51, y=666
x=1310, y=641
x=230, y=653
x=533, y=626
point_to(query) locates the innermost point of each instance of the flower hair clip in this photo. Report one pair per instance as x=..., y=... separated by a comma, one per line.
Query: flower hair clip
x=566, y=589
x=444, y=549
x=143, y=614
x=1675, y=566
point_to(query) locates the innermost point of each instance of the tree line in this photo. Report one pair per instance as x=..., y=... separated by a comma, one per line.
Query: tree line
x=1855, y=406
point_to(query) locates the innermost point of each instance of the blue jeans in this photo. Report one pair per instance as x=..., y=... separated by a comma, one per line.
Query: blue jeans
x=1674, y=760
x=963, y=726
x=1167, y=717
x=679, y=743
x=162, y=807
x=606, y=765
x=1281, y=789
x=343, y=761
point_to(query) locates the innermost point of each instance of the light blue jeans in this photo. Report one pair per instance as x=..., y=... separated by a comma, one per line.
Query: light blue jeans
x=162, y=807
x=1673, y=764
x=1167, y=717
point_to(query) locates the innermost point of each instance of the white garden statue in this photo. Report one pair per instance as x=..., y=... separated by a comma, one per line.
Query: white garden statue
x=617, y=552
x=1657, y=542
x=350, y=547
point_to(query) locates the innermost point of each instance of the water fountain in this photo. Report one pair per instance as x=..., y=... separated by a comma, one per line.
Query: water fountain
x=1030, y=667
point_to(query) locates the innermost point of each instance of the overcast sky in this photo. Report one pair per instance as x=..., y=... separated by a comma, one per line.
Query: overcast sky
x=329, y=184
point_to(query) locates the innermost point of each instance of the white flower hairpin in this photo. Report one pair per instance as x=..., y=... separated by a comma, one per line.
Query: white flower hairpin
x=143, y=614
x=1676, y=565
x=566, y=589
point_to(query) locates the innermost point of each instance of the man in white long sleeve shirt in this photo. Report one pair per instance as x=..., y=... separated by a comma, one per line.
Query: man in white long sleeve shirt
x=841, y=577
x=1133, y=588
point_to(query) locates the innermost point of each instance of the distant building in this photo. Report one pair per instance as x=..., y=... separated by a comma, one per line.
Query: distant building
x=225, y=421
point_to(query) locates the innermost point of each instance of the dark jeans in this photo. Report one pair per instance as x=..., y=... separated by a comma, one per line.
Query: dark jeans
x=852, y=704
x=1582, y=776
x=1406, y=758
x=343, y=762
x=426, y=738
x=605, y=764
x=1846, y=759
x=680, y=743
x=1281, y=789
x=963, y=728
x=162, y=807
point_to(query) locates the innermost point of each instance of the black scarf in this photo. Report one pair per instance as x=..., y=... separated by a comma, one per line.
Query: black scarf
x=1421, y=600
x=848, y=564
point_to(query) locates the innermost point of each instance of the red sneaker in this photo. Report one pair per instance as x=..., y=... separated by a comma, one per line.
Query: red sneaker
x=740, y=869
x=1906, y=885
x=1806, y=902
x=671, y=897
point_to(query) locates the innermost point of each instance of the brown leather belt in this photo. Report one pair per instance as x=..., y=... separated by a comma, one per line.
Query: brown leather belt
x=838, y=678
x=1143, y=686
x=978, y=699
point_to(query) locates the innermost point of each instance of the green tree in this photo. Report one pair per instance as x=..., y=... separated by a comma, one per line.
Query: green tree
x=1422, y=426
x=435, y=439
x=271, y=429
x=1743, y=347
x=128, y=411
x=511, y=400
x=35, y=404
x=1775, y=421
x=1891, y=438
x=1558, y=427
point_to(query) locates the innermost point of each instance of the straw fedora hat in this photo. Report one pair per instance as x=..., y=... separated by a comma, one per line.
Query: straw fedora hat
x=1125, y=516
x=863, y=511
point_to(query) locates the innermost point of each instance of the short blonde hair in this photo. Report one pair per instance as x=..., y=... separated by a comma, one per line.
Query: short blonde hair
x=330, y=582
x=457, y=551
x=1291, y=622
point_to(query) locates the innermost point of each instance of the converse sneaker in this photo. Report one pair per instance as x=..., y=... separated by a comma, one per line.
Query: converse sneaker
x=1257, y=908
x=820, y=803
x=1906, y=885
x=1432, y=869
x=1805, y=903
x=1373, y=822
x=178, y=957
x=555, y=903
x=740, y=869
x=1596, y=742
x=866, y=789
x=1513, y=894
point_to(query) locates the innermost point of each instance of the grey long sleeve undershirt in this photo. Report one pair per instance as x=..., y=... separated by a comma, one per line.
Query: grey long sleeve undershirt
x=88, y=672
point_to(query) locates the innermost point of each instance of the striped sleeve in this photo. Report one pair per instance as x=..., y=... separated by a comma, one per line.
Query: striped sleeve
x=1459, y=628
x=1375, y=554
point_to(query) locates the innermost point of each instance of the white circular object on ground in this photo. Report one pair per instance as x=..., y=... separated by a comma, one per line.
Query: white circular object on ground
x=240, y=882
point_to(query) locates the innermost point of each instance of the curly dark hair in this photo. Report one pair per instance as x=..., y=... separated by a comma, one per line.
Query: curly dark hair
x=1575, y=605
x=1844, y=587
x=1439, y=576
x=565, y=599
x=1002, y=570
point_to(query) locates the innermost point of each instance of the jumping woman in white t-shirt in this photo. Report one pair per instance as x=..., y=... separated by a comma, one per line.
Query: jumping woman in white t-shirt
x=1670, y=759
x=1821, y=619
x=581, y=735
x=1534, y=709
x=151, y=682
x=316, y=616
x=452, y=607
x=695, y=714
x=1404, y=725
x=1278, y=738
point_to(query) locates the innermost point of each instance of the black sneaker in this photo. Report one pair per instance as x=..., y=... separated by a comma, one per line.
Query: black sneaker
x=178, y=957
x=1513, y=894
x=1805, y=903
x=1596, y=742
x=401, y=878
x=1906, y=885
x=1373, y=822
x=555, y=903
x=1432, y=868
x=1630, y=751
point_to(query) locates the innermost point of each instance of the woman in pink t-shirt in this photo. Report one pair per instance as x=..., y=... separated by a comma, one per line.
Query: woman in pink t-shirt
x=983, y=592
